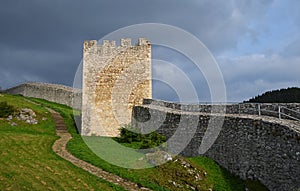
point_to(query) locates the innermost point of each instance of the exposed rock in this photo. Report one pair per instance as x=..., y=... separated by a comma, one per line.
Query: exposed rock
x=31, y=121
x=22, y=117
x=158, y=157
x=27, y=115
x=13, y=124
x=23, y=114
x=9, y=118
x=28, y=111
x=182, y=175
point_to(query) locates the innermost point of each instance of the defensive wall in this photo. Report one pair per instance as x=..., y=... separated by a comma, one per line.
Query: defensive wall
x=51, y=92
x=250, y=146
x=280, y=110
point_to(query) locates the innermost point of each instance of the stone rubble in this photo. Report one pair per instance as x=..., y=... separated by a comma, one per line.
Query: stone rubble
x=24, y=114
x=27, y=115
x=13, y=124
x=195, y=174
x=9, y=118
x=158, y=157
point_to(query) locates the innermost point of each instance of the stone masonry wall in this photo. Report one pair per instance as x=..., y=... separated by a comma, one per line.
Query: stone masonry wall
x=268, y=109
x=252, y=147
x=51, y=92
x=114, y=79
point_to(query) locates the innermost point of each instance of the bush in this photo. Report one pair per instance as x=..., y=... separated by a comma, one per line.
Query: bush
x=129, y=135
x=6, y=109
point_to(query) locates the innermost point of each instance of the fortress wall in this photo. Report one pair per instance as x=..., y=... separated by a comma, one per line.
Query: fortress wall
x=114, y=79
x=252, y=148
x=238, y=108
x=51, y=92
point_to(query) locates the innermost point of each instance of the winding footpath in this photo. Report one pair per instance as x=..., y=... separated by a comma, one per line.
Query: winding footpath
x=59, y=147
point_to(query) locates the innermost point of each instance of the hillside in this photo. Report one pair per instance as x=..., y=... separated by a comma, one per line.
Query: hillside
x=289, y=95
x=27, y=160
x=27, y=148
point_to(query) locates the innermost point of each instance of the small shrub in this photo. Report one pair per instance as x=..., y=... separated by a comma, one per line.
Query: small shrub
x=6, y=109
x=129, y=135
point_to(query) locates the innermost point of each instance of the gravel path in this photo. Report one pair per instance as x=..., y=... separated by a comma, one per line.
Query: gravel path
x=59, y=147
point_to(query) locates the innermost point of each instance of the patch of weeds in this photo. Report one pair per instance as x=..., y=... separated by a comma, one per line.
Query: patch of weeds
x=6, y=109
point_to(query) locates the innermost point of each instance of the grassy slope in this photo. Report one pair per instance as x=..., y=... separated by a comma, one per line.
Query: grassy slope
x=155, y=178
x=28, y=162
x=218, y=176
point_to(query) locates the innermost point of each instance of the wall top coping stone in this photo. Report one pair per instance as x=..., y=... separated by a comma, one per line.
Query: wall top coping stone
x=295, y=125
x=47, y=85
x=157, y=101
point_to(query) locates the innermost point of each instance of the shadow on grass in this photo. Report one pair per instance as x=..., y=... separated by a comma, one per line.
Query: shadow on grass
x=218, y=177
x=255, y=185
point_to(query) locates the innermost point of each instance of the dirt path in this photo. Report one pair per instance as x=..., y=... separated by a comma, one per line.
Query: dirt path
x=59, y=147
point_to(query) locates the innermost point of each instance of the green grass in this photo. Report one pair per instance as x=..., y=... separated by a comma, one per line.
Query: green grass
x=117, y=154
x=6, y=109
x=155, y=178
x=218, y=176
x=28, y=162
x=255, y=185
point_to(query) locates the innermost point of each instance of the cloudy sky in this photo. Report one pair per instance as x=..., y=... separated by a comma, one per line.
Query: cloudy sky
x=256, y=43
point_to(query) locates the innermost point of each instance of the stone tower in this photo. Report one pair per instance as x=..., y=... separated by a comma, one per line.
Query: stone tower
x=114, y=79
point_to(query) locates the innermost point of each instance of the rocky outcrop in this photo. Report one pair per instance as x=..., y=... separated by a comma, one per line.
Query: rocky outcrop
x=24, y=114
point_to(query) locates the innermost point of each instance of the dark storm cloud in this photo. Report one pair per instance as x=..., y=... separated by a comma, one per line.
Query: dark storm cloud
x=41, y=40
x=61, y=25
x=30, y=65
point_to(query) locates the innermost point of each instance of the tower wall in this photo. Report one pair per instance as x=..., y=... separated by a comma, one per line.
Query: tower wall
x=114, y=79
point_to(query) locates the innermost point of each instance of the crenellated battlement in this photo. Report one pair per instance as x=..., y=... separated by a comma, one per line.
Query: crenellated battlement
x=109, y=46
x=125, y=42
x=88, y=44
